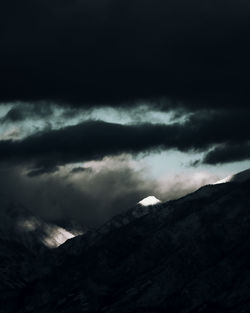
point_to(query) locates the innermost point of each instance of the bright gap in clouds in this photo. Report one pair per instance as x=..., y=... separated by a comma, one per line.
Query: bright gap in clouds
x=61, y=117
x=173, y=162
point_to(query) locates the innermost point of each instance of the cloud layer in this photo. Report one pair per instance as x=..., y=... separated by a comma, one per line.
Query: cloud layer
x=96, y=52
x=93, y=140
x=81, y=54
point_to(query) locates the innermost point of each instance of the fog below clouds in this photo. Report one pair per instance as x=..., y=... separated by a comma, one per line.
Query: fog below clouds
x=82, y=198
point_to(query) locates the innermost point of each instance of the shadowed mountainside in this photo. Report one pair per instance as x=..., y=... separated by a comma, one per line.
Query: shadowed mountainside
x=190, y=255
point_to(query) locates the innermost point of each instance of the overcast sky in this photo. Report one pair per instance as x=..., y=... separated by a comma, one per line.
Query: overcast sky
x=105, y=102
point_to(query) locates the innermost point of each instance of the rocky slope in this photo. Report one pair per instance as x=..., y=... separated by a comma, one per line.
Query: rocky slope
x=190, y=255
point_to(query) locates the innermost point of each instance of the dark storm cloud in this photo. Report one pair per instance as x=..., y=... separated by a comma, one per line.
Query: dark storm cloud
x=93, y=140
x=23, y=111
x=96, y=52
x=228, y=153
x=175, y=55
x=42, y=170
x=79, y=169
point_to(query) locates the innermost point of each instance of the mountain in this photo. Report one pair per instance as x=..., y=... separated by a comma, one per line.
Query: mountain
x=25, y=242
x=50, y=235
x=189, y=255
x=239, y=177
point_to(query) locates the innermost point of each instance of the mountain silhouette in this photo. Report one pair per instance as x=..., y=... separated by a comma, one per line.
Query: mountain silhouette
x=190, y=255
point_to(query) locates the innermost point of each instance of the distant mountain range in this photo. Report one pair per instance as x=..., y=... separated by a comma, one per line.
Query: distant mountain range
x=190, y=255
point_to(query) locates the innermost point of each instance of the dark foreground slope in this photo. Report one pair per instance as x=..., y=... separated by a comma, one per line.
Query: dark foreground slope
x=190, y=255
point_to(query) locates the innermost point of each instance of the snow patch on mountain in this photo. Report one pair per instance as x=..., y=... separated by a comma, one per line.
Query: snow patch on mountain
x=239, y=177
x=151, y=200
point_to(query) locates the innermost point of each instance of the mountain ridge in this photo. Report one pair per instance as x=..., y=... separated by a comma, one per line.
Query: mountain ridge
x=188, y=255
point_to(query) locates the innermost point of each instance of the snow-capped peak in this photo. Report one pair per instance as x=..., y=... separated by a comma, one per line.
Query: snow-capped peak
x=239, y=177
x=151, y=200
